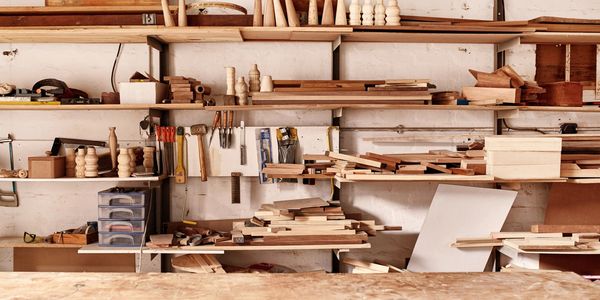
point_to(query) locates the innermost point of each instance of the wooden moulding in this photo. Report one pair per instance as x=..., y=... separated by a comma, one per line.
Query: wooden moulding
x=541, y=228
x=358, y=160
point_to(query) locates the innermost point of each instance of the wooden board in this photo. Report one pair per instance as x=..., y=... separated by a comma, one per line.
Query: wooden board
x=573, y=204
x=537, y=144
x=541, y=228
x=358, y=160
x=555, y=285
x=300, y=203
x=499, y=158
x=68, y=260
x=486, y=210
x=506, y=95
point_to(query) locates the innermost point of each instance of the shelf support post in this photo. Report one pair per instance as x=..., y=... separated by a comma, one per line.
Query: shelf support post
x=163, y=50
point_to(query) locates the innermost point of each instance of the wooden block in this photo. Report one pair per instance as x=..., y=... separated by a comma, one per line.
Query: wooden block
x=541, y=228
x=536, y=144
x=436, y=167
x=525, y=171
x=506, y=95
x=493, y=80
x=498, y=158
x=237, y=237
x=460, y=171
x=475, y=153
x=367, y=265
x=316, y=157
x=300, y=203
x=282, y=171
x=350, y=158
x=162, y=239
x=411, y=169
x=276, y=211
x=479, y=166
x=286, y=166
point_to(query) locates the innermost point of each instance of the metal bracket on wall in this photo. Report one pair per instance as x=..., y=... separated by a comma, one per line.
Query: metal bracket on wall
x=163, y=49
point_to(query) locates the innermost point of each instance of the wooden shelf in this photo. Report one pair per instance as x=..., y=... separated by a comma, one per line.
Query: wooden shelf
x=211, y=249
x=438, y=178
x=103, y=107
x=97, y=179
x=17, y=242
x=561, y=38
x=358, y=107
x=586, y=108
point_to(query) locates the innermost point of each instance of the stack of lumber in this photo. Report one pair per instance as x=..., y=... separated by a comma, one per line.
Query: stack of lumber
x=580, y=156
x=182, y=89
x=408, y=91
x=197, y=263
x=504, y=85
x=523, y=157
x=545, y=238
x=310, y=221
x=283, y=169
x=436, y=161
x=365, y=267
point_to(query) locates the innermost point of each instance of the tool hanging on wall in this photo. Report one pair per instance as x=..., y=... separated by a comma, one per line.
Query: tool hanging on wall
x=9, y=199
x=263, y=145
x=235, y=187
x=222, y=122
x=229, y=129
x=199, y=131
x=215, y=125
x=242, y=143
x=180, y=169
x=287, y=143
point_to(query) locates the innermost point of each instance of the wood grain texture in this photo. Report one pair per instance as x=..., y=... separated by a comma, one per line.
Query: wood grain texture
x=305, y=286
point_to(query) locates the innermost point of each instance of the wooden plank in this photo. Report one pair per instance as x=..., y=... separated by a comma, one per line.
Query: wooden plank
x=436, y=167
x=300, y=203
x=537, y=144
x=424, y=177
x=521, y=235
x=550, y=171
x=350, y=158
x=503, y=158
x=544, y=228
x=461, y=171
x=506, y=95
x=281, y=171
x=368, y=265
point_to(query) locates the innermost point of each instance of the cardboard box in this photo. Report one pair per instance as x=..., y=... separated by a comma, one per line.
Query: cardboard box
x=142, y=92
x=47, y=167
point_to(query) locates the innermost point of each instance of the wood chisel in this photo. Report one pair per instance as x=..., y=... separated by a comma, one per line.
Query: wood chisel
x=229, y=128
x=158, y=136
x=215, y=123
x=242, y=143
x=180, y=169
x=222, y=124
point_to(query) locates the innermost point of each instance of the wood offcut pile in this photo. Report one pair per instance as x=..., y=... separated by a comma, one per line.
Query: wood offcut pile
x=186, y=89
x=311, y=221
x=469, y=162
x=546, y=238
x=197, y=263
x=504, y=85
x=404, y=91
x=580, y=156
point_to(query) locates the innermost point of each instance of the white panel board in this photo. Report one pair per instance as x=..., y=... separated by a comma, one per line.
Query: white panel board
x=459, y=211
x=221, y=162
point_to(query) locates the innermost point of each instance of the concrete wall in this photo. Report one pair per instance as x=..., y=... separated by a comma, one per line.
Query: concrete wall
x=49, y=207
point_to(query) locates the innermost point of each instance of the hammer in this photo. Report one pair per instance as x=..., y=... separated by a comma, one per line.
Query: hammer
x=199, y=131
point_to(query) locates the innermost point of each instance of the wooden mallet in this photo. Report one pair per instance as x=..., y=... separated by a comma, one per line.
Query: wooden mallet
x=199, y=131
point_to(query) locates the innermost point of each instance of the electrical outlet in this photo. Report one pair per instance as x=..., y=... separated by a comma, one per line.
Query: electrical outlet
x=149, y=19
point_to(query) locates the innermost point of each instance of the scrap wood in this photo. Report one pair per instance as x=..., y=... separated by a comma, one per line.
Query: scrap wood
x=411, y=169
x=350, y=158
x=436, y=167
x=372, y=266
x=197, y=263
x=300, y=203
x=522, y=235
x=542, y=228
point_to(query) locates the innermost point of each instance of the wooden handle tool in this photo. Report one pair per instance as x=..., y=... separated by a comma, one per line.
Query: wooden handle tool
x=215, y=124
x=169, y=22
x=199, y=131
x=180, y=169
x=230, y=126
x=181, y=15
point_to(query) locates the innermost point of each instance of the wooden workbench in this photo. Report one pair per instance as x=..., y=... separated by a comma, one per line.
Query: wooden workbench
x=296, y=286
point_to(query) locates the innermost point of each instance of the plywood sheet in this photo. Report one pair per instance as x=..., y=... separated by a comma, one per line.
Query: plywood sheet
x=573, y=204
x=67, y=260
x=454, y=212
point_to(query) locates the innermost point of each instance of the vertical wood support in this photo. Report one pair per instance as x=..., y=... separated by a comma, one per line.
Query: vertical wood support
x=335, y=48
x=598, y=72
x=568, y=62
x=163, y=49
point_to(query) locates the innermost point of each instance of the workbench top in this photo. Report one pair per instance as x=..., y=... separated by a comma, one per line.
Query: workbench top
x=297, y=286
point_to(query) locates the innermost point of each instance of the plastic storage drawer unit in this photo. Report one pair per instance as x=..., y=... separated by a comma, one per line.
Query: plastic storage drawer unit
x=124, y=197
x=121, y=213
x=121, y=225
x=119, y=239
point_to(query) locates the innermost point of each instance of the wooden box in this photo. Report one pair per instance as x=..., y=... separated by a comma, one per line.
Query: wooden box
x=46, y=167
x=563, y=94
x=75, y=239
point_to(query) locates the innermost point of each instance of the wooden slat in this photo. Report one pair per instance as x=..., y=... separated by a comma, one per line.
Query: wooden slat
x=541, y=228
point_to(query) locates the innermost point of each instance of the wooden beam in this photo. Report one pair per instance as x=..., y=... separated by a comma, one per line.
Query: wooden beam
x=358, y=160
x=542, y=228
x=568, y=62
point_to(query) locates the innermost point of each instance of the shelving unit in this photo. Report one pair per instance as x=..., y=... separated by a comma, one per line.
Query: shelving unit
x=159, y=35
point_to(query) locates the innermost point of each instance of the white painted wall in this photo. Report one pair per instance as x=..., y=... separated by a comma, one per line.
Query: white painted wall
x=49, y=207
